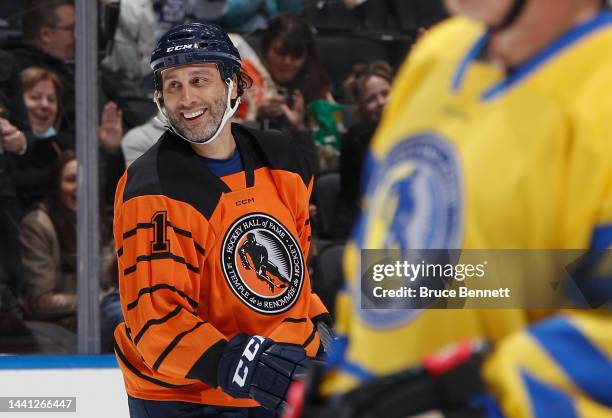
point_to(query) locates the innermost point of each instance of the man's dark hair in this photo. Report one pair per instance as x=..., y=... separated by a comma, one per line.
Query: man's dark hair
x=244, y=81
x=39, y=14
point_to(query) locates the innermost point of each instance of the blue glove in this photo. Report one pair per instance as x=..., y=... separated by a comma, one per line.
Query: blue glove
x=258, y=368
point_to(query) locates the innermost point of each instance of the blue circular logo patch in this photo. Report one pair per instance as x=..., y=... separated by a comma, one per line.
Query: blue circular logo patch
x=414, y=200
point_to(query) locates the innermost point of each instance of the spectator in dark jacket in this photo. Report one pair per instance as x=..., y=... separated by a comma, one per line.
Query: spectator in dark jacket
x=48, y=42
x=12, y=142
x=368, y=87
x=291, y=79
x=48, y=246
x=42, y=95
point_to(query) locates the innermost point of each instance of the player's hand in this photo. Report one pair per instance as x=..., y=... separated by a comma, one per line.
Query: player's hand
x=111, y=127
x=11, y=138
x=258, y=368
x=295, y=114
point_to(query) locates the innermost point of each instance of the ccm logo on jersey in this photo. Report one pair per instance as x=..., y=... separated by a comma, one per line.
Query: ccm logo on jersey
x=181, y=47
x=245, y=201
x=248, y=355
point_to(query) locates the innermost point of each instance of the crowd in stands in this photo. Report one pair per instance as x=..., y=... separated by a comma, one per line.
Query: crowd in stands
x=294, y=90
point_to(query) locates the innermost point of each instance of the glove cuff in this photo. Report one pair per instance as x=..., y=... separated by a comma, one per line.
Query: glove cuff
x=238, y=363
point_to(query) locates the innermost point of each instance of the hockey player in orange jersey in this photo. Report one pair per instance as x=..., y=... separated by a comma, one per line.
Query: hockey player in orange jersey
x=212, y=326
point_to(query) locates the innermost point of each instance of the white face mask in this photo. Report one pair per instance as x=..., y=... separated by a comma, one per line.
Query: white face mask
x=44, y=135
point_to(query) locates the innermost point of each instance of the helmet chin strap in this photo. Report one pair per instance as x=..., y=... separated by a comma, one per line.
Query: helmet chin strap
x=227, y=114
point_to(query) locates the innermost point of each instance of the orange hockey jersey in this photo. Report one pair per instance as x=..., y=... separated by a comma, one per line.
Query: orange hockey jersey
x=203, y=258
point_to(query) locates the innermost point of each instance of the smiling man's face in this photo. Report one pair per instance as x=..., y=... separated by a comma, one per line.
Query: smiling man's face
x=195, y=98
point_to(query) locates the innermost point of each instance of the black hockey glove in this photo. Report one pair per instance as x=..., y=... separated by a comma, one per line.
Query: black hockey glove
x=258, y=368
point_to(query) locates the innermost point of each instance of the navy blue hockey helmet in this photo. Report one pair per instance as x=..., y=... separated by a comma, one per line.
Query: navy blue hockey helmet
x=195, y=43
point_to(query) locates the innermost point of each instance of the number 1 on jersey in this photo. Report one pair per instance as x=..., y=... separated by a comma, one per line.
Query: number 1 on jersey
x=160, y=227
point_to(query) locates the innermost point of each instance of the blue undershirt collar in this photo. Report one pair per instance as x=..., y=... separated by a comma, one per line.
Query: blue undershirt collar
x=222, y=168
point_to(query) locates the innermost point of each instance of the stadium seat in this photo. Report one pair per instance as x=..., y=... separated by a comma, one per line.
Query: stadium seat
x=327, y=189
x=339, y=53
x=330, y=15
x=416, y=13
x=328, y=275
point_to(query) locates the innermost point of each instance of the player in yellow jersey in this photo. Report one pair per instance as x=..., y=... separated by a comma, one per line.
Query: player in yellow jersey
x=498, y=135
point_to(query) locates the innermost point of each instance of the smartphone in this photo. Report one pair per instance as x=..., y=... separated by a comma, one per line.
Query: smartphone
x=282, y=91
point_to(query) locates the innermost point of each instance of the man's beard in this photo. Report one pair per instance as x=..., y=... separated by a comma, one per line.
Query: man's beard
x=200, y=134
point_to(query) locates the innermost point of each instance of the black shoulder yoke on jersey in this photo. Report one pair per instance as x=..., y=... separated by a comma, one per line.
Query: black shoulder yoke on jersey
x=171, y=167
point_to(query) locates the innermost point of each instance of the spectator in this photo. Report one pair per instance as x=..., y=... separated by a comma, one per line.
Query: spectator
x=110, y=304
x=139, y=139
x=242, y=16
x=42, y=92
x=134, y=39
x=12, y=142
x=10, y=91
x=296, y=77
x=110, y=130
x=16, y=337
x=125, y=75
x=245, y=16
x=288, y=77
x=48, y=245
x=368, y=87
x=48, y=42
x=42, y=95
x=30, y=337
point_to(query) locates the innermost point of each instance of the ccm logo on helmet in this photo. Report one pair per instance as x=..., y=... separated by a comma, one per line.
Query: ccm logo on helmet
x=181, y=47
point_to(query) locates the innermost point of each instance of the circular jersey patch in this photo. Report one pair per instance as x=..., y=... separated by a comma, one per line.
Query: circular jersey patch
x=415, y=197
x=414, y=202
x=262, y=263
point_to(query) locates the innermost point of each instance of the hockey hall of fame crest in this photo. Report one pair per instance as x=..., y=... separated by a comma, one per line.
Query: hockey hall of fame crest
x=413, y=202
x=262, y=263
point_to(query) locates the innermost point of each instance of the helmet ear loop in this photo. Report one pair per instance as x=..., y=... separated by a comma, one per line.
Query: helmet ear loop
x=230, y=108
x=158, y=99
